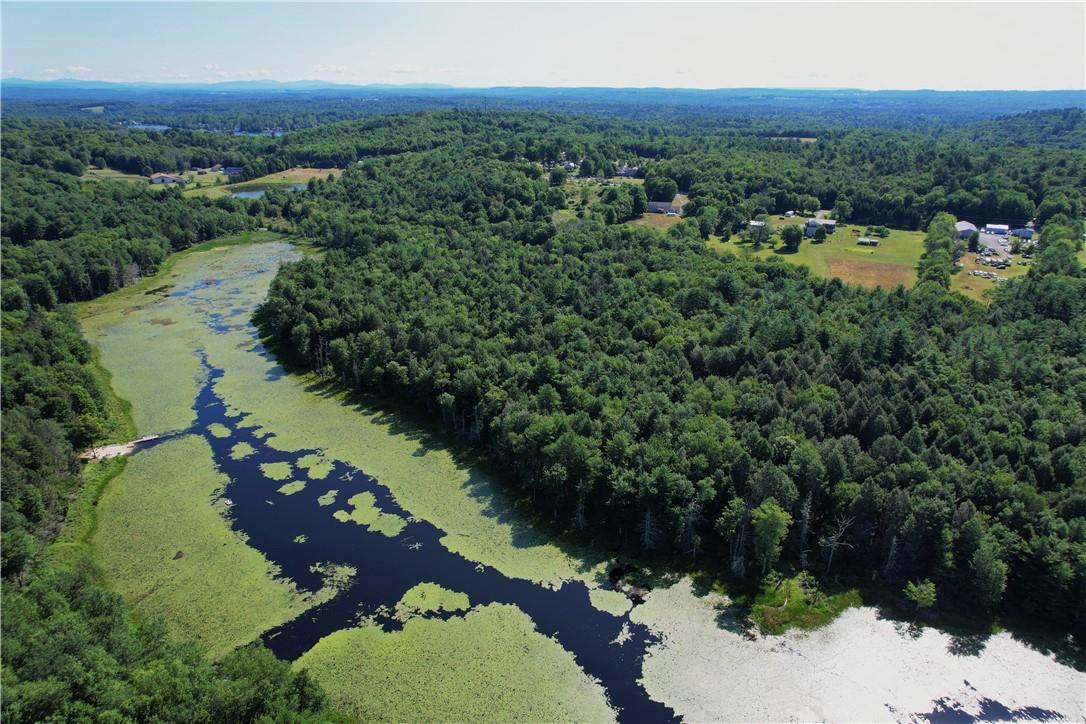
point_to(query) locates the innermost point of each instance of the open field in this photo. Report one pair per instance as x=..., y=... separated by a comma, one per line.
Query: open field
x=93, y=173
x=977, y=287
x=891, y=263
x=657, y=221
x=281, y=178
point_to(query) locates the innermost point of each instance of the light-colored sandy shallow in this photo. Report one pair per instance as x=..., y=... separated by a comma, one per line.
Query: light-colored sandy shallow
x=859, y=668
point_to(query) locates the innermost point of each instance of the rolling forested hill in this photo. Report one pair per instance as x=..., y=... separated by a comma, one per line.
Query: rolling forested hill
x=640, y=388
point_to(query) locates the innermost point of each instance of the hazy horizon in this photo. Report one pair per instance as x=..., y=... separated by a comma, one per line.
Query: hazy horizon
x=449, y=86
x=829, y=46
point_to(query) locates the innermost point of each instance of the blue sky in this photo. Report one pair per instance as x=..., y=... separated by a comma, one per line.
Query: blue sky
x=877, y=45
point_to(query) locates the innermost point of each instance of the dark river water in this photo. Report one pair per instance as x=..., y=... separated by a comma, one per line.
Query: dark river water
x=387, y=567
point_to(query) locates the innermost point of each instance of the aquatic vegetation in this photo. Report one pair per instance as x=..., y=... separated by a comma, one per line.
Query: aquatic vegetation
x=366, y=513
x=317, y=467
x=292, y=487
x=165, y=549
x=241, y=451
x=301, y=538
x=463, y=669
x=613, y=602
x=328, y=498
x=218, y=430
x=425, y=476
x=336, y=576
x=276, y=471
x=430, y=597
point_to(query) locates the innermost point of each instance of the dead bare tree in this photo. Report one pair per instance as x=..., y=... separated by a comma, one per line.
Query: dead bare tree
x=891, y=558
x=804, y=529
x=835, y=540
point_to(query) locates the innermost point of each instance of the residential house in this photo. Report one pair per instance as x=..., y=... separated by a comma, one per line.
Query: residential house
x=830, y=225
x=166, y=178
x=663, y=207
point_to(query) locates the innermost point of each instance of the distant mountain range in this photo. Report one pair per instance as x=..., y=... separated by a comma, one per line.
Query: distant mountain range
x=813, y=106
x=230, y=85
x=1074, y=97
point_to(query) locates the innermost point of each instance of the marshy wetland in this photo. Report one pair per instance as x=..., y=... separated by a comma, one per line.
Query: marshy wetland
x=356, y=545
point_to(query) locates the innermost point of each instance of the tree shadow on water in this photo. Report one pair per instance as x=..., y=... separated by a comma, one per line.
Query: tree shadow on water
x=502, y=500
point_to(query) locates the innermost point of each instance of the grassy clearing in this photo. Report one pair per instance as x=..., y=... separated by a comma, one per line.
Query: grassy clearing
x=165, y=545
x=794, y=602
x=779, y=604
x=212, y=189
x=656, y=221
x=888, y=265
x=93, y=173
x=464, y=669
x=978, y=287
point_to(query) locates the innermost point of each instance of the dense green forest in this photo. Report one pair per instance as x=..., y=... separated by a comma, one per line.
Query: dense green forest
x=71, y=648
x=636, y=386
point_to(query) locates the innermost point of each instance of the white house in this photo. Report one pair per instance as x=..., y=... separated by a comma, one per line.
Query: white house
x=166, y=178
x=830, y=225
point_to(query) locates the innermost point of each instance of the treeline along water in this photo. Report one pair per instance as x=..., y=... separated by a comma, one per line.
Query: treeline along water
x=609, y=648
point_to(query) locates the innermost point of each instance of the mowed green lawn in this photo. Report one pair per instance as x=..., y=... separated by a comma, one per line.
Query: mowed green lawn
x=93, y=173
x=891, y=263
x=282, y=178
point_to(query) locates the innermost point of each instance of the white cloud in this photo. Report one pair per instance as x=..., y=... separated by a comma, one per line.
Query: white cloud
x=211, y=66
x=77, y=69
x=50, y=71
x=182, y=76
x=322, y=68
x=406, y=68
